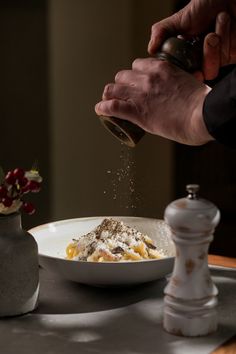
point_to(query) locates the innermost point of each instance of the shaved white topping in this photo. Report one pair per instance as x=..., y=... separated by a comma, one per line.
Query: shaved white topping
x=112, y=240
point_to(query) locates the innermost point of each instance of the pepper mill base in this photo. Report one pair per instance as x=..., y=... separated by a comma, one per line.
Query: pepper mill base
x=190, y=318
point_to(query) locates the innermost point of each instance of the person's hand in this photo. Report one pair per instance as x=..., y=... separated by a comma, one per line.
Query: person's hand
x=160, y=98
x=196, y=19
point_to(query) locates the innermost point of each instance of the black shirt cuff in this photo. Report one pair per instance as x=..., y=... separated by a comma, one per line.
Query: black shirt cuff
x=219, y=110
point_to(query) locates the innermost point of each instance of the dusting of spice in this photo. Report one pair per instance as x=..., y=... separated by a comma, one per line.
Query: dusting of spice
x=114, y=241
x=122, y=181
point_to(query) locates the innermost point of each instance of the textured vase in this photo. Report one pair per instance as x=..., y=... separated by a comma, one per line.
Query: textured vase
x=19, y=272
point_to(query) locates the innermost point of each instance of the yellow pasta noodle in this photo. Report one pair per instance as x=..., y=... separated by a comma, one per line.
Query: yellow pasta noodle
x=113, y=241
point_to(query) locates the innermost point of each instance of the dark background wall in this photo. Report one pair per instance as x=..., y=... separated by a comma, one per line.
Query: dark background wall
x=29, y=132
x=89, y=42
x=24, y=120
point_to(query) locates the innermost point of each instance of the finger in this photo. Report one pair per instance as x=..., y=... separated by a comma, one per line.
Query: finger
x=118, y=91
x=211, y=56
x=158, y=36
x=223, y=30
x=129, y=77
x=149, y=65
x=117, y=108
x=162, y=30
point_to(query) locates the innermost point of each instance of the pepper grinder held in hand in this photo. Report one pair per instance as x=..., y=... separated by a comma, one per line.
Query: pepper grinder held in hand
x=191, y=297
x=185, y=54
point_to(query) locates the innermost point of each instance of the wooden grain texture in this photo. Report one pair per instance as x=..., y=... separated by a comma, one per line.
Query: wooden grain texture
x=228, y=347
x=222, y=261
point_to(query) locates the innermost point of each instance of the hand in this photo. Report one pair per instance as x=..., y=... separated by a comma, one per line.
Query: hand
x=195, y=19
x=160, y=98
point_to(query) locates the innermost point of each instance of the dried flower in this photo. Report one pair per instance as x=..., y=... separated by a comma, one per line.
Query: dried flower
x=14, y=185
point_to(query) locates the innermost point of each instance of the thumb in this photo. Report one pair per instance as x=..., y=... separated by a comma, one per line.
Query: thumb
x=162, y=30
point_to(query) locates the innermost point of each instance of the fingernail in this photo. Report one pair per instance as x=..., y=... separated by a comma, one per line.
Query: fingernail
x=213, y=41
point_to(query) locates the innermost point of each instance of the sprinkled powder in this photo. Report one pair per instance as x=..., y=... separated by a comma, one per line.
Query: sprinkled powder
x=122, y=181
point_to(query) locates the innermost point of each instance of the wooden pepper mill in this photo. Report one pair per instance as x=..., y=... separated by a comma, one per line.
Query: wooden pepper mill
x=185, y=54
x=191, y=297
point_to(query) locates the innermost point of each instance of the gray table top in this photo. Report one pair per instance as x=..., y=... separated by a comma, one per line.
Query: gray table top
x=74, y=318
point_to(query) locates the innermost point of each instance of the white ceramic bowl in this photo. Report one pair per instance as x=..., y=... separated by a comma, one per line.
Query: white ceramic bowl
x=52, y=239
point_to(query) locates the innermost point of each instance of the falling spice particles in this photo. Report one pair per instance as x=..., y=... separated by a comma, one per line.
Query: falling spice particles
x=122, y=181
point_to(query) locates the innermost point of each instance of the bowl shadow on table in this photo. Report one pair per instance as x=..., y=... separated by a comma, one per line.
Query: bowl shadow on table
x=58, y=296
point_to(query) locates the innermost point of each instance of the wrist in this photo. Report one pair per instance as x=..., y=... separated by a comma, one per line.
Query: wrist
x=200, y=133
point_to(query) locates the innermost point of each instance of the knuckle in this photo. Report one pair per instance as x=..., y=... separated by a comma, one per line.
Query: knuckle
x=151, y=63
x=117, y=76
x=136, y=63
x=153, y=28
x=142, y=64
x=114, y=105
x=162, y=65
x=120, y=75
x=107, y=90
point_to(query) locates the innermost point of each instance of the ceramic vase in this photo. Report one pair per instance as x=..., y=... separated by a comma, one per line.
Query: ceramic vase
x=19, y=271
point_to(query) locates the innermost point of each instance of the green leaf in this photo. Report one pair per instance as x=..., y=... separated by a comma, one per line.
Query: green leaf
x=2, y=175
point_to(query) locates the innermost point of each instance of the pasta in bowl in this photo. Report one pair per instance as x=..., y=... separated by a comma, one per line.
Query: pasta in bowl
x=53, y=240
x=113, y=241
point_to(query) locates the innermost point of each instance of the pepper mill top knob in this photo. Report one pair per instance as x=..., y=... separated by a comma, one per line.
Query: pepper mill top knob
x=192, y=213
x=193, y=190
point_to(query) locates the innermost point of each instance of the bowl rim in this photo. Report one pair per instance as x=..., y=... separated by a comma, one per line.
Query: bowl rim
x=87, y=218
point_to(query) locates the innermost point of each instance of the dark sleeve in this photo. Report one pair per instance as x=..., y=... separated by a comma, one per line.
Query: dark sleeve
x=219, y=110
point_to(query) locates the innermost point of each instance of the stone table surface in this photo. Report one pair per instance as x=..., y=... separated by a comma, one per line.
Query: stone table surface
x=74, y=318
